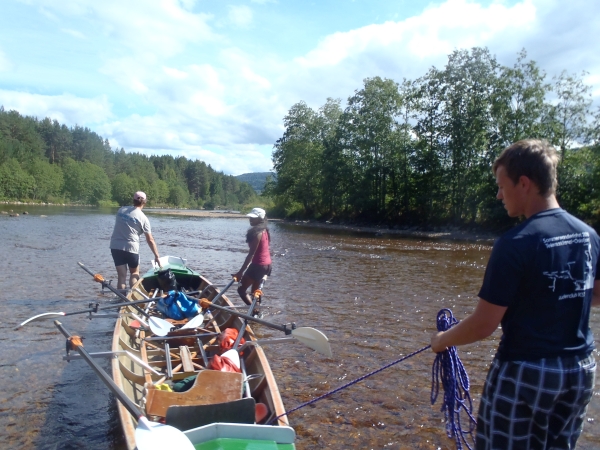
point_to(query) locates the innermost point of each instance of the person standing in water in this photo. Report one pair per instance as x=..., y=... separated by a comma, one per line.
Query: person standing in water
x=130, y=224
x=539, y=284
x=258, y=261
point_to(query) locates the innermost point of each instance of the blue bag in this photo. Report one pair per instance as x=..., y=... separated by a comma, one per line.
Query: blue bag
x=177, y=306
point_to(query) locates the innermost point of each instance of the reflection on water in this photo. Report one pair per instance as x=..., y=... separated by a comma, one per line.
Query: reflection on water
x=375, y=298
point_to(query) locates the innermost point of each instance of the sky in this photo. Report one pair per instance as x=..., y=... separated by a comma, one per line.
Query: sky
x=213, y=79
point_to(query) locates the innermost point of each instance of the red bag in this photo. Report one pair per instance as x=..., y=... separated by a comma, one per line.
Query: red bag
x=227, y=339
x=223, y=364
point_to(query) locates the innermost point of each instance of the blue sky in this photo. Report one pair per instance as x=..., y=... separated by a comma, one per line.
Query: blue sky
x=213, y=79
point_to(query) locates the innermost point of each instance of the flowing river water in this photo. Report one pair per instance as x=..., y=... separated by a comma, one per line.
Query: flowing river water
x=375, y=297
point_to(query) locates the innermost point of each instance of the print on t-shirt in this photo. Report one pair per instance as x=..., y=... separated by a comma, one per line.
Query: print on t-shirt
x=581, y=275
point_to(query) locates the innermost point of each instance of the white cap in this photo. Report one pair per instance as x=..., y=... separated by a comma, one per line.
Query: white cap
x=139, y=196
x=257, y=213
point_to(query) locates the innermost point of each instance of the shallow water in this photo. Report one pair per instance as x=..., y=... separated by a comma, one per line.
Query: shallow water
x=375, y=298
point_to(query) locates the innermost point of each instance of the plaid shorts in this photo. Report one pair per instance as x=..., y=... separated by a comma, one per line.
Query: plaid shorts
x=534, y=405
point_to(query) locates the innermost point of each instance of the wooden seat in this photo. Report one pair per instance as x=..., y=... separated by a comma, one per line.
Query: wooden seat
x=211, y=386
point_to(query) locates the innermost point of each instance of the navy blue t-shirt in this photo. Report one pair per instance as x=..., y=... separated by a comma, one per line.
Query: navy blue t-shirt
x=543, y=271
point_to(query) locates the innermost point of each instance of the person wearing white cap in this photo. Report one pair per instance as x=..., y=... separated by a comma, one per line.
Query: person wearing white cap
x=130, y=224
x=258, y=262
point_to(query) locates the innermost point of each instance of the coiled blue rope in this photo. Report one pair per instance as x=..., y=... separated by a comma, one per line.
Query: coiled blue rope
x=448, y=367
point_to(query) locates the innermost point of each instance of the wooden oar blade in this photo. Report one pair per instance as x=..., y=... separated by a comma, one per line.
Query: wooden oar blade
x=44, y=316
x=314, y=339
x=156, y=436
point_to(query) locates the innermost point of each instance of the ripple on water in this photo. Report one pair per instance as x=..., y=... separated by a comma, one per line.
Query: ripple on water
x=375, y=298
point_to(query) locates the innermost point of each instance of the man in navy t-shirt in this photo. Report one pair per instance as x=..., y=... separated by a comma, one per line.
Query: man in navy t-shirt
x=540, y=283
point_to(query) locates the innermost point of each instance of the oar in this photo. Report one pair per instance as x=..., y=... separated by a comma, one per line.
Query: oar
x=227, y=286
x=256, y=295
x=159, y=327
x=95, y=309
x=100, y=279
x=308, y=336
x=148, y=435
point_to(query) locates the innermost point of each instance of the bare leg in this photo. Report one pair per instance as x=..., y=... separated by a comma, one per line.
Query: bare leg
x=246, y=282
x=134, y=275
x=121, y=276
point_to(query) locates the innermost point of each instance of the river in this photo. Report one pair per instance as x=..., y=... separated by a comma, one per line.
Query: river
x=375, y=297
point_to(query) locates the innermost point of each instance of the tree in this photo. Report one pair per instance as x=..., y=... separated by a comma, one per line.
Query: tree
x=48, y=179
x=15, y=183
x=57, y=138
x=518, y=103
x=371, y=123
x=566, y=121
x=85, y=182
x=123, y=187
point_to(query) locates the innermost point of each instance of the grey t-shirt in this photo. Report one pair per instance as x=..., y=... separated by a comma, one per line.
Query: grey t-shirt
x=130, y=224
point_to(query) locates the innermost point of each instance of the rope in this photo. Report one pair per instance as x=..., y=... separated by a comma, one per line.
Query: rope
x=310, y=402
x=448, y=367
x=455, y=382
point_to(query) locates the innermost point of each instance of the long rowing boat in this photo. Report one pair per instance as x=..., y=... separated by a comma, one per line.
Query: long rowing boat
x=217, y=398
x=203, y=382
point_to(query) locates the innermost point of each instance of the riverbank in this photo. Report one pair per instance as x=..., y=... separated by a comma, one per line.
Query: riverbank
x=197, y=213
x=439, y=234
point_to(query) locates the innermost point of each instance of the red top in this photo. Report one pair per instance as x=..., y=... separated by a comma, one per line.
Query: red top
x=262, y=256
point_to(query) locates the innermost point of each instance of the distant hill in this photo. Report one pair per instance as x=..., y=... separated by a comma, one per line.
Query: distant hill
x=256, y=179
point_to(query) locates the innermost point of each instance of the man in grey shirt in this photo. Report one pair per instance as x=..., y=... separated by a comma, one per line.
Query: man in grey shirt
x=130, y=224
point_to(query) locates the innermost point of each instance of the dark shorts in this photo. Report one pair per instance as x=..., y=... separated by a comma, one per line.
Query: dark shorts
x=256, y=272
x=121, y=257
x=533, y=405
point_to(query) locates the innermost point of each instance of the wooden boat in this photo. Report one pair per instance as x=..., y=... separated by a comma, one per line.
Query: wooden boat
x=215, y=396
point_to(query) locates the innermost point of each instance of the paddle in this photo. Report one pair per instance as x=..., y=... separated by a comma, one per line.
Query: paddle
x=310, y=337
x=148, y=435
x=94, y=309
x=256, y=295
x=159, y=327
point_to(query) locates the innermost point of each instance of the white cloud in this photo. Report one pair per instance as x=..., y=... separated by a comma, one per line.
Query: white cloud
x=163, y=134
x=65, y=108
x=240, y=15
x=225, y=106
x=159, y=27
x=436, y=32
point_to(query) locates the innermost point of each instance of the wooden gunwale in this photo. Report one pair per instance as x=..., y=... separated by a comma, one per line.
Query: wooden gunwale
x=130, y=380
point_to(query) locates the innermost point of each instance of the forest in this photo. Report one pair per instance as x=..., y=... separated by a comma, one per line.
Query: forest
x=45, y=161
x=418, y=153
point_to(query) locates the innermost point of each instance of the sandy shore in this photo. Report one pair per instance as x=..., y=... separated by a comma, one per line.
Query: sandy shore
x=449, y=234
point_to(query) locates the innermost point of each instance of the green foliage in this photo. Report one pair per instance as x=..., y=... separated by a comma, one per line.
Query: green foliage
x=123, y=187
x=420, y=152
x=48, y=179
x=15, y=183
x=85, y=182
x=48, y=161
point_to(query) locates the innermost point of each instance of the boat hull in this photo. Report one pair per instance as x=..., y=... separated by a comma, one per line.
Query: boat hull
x=185, y=360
